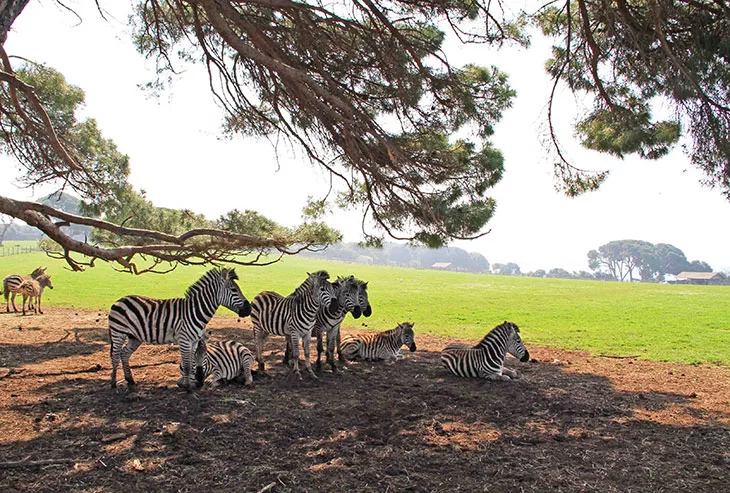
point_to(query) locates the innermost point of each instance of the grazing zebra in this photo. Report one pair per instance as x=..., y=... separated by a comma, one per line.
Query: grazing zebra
x=382, y=346
x=139, y=319
x=292, y=316
x=486, y=359
x=226, y=361
x=13, y=281
x=32, y=291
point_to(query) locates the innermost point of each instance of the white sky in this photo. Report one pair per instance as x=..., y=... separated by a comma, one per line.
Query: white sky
x=177, y=157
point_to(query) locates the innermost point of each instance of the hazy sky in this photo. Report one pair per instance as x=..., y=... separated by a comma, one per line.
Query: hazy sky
x=178, y=158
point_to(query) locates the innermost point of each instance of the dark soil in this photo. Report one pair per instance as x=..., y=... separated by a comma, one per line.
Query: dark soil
x=572, y=422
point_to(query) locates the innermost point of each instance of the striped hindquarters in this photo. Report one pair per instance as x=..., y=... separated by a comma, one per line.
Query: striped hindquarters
x=269, y=313
x=228, y=360
x=11, y=283
x=147, y=319
x=466, y=361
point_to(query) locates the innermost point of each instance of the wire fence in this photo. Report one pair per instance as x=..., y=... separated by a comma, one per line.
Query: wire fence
x=8, y=250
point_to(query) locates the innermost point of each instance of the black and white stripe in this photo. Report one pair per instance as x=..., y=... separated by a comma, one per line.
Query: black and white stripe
x=32, y=291
x=329, y=321
x=292, y=316
x=138, y=319
x=486, y=359
x=224, y=361
x=12, y=282
x=381, y=346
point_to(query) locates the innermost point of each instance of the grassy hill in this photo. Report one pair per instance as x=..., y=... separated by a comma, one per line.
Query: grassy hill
x=678, y=323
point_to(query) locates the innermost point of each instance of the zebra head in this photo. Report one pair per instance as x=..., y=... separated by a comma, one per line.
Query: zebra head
x=362, y=298
x=231, y=296
x=44, y=281
x=38, y=272
x=515, y=347
x=407, y=335
x=347, y=295
x=323, y=290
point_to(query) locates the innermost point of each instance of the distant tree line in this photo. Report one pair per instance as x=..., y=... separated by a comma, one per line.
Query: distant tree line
x=393, y=254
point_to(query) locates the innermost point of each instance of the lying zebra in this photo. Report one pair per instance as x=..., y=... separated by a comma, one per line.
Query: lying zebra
x=381, y=346
x=225, y=361
x=32, y=291
x=13, y=281
x=486, y=359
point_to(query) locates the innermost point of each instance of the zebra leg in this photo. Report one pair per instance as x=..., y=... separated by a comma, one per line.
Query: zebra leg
x=320, y=348
x=306, y=343
x=332, y=339
x=132, y=344
x=287, y=351
x=12, y=300
x=295, y=353
x=510, y=373
x=259, y=335
x=187, y=360
x=339, y=347
x=117, y=342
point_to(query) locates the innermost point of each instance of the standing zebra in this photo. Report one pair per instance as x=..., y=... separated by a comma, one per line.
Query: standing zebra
x=13, y=281
x=226, y=361
x=347, y=292
x=139, y=319
x=486, y=359
x=367, y=310
x=32, y=291
x=381, y=346
x=292, y=316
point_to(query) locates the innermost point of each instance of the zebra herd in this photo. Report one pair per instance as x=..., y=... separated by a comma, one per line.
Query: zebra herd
x=30, y=287
x=317, y=306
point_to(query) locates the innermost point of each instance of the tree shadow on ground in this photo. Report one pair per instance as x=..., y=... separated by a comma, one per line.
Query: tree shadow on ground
x=375, y=427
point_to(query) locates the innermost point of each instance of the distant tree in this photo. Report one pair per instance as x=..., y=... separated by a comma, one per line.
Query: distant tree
x=699, y=266
x=621, y=258
x=584, y=275
x=537, y=273
x=508, y=269
x=5, y=223
x=671, y=259
x=478, y=262
x=558, y=273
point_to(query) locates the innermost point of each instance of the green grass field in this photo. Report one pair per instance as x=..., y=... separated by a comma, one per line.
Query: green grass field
x=677, y=323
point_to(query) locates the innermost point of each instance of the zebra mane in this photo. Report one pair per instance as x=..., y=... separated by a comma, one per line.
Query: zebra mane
x=221, y=273
x=301, y=290
x=504, y=327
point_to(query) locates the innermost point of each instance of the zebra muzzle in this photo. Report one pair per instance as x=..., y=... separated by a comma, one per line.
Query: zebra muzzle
x=412, y=347
x=356, y=312
x=368, y=311
x=526, y=357
x=245, y=311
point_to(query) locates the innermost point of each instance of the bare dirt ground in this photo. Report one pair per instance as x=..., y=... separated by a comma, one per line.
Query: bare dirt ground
x=571, y=423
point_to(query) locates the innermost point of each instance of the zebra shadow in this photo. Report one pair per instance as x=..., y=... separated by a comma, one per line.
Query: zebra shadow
x=409, y=425
x=17, y=355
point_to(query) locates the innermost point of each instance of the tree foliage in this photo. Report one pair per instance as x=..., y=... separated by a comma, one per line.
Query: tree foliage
x=364, y=88
x=629, y=55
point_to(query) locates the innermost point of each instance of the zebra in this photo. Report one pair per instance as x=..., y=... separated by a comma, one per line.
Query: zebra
x=293, y=316
x=13, y=281
x=347, y=291
x=139, y=319
x=381, y=346
x=32, y=291
x=225, y=360
x=486, y=359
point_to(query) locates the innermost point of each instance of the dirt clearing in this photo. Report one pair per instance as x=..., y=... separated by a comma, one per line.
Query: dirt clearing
x=572, y=422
